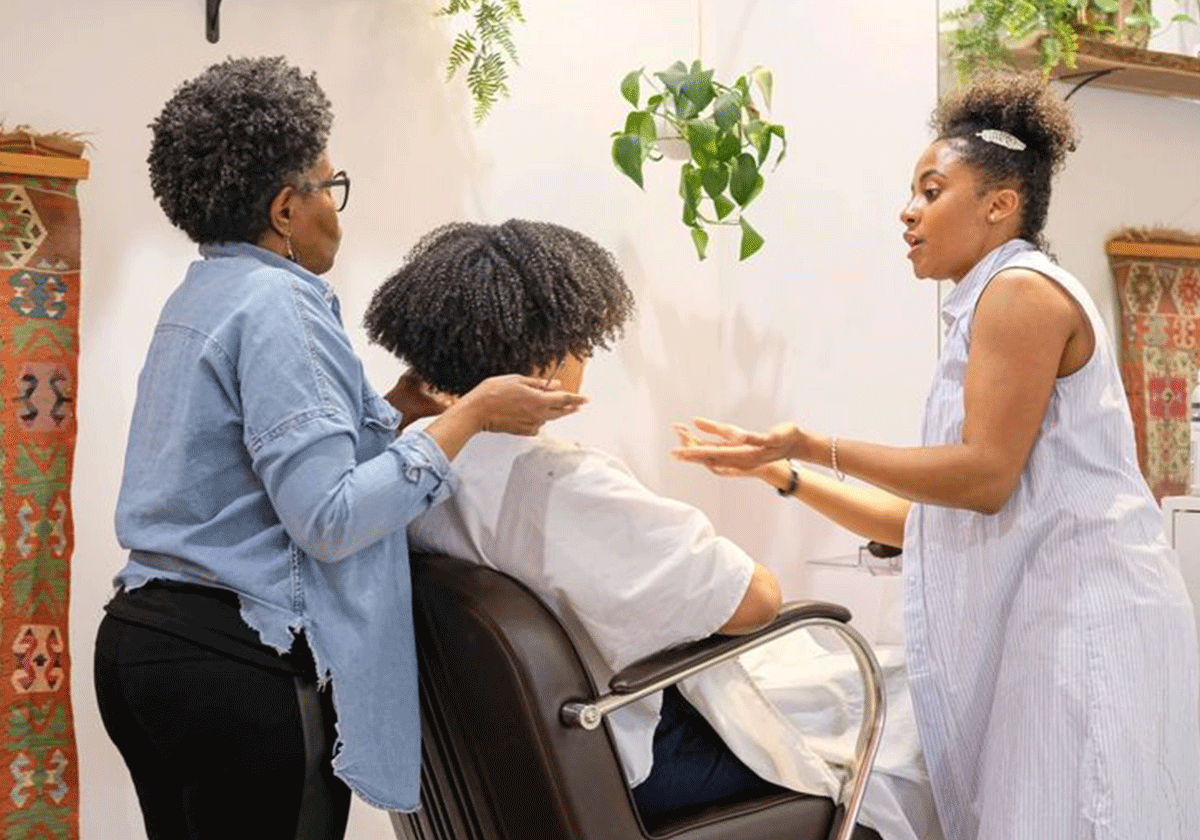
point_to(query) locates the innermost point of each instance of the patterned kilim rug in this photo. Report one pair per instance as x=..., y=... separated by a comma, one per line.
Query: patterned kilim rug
x=39, y=282
x=1157, y=277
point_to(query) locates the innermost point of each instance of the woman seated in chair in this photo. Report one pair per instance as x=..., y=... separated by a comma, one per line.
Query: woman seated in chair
x=628, y=571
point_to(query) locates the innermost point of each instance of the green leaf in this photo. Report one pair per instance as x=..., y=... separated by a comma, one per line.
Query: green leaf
x=779, y=132
x=1183, y=18
x=728, y=146
x=689, y=185
x=631, y=87
x=759, y=135
x=700, y=240
x=742, y=86
x=462, y=51
x=727, y=110
x=701, y=136
x=751, y=240
x=1052, y=51
x=764, y=82
x=745, y=183
x=684, y=107
x=1109, y=7
x=673, y=77
x=723, y=206
x=698, y=89
x=1021, y=19
x=714, y=179
x=641, y=123
x=654, y=101
x=627, y=155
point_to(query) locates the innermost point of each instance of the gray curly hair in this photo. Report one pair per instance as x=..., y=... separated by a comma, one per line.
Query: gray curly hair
x=228, y=140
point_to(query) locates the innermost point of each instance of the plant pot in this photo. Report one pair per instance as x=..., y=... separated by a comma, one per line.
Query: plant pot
x=1087, y=21
x=671, y=146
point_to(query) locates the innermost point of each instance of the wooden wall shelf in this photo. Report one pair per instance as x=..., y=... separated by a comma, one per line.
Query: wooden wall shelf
x=1123, y=68
x=47, y=155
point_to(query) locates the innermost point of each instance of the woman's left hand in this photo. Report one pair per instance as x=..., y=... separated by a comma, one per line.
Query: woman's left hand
x=414, y=399
x=731, y=450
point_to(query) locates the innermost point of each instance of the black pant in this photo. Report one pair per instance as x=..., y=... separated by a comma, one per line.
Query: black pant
x=217, y=747
x=692, y=765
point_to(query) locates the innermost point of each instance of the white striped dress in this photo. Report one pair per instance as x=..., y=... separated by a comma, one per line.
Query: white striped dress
x=1052, y=647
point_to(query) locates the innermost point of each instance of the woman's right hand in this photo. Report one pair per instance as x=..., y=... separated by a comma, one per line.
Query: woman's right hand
x=731, y=450
x=518, y=404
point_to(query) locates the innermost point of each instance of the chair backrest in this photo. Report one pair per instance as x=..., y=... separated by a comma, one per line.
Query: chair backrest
x=496, y=667
x=498, y=764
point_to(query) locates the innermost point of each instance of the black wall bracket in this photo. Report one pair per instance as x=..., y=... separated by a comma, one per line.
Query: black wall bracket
x=212, y=20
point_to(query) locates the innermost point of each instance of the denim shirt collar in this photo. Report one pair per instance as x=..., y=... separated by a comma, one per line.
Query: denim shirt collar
x=215, y=250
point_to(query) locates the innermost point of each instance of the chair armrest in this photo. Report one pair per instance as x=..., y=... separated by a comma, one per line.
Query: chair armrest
x=678, y=661
x=668, y=667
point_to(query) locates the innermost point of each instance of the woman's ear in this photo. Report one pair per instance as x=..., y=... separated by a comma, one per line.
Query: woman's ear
x=1004, y=205
x=280, y=212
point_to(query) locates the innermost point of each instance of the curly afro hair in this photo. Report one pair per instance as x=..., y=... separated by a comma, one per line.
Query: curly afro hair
x=473, y=301
x=1022, y=105
x=228, y=140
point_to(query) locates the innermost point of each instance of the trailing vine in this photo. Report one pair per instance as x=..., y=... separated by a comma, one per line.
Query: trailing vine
x=484, y=48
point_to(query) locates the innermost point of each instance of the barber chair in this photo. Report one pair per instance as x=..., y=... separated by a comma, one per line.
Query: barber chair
x=514, y=741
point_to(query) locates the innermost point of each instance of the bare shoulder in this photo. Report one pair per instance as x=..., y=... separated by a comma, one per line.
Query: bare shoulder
x=1027, y=299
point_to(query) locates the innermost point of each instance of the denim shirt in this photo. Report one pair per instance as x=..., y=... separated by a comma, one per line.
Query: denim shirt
x=261, y=461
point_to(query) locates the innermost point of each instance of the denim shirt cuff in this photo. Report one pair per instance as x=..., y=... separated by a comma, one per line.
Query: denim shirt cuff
x=423, y=458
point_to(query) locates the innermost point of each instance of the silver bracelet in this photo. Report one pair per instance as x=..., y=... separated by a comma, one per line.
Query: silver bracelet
x=838, y=474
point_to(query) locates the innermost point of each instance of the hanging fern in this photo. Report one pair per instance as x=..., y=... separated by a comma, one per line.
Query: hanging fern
x=484, y=49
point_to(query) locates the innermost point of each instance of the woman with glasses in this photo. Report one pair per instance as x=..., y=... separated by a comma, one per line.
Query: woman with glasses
x=265, y=494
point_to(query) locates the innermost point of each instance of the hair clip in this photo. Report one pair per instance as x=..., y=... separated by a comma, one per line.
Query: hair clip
x=1001, y=138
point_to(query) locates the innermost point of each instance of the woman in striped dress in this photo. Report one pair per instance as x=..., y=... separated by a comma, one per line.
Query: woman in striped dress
x=1051, y=645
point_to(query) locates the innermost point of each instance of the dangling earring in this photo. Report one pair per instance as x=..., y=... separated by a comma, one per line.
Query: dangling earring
x=287, y=244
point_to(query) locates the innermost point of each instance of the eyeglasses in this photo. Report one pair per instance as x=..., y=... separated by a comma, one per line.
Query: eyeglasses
x=338, y=187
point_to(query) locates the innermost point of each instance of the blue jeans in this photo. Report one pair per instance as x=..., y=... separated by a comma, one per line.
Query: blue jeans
x=692, y=766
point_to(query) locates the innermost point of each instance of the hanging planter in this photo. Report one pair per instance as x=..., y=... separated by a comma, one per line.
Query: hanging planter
x=484, y=48
x=717, y=129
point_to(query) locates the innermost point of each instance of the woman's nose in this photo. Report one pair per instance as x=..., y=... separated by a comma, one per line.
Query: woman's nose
x=908, y=215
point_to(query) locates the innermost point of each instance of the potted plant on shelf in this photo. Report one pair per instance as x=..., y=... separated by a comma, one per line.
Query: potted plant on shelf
x=727, y=142
x=987, y=29
x=484, y=48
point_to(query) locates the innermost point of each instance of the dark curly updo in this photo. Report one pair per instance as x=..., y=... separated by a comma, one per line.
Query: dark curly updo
x=473, y=301
x=228, y=140
x=1022, y=105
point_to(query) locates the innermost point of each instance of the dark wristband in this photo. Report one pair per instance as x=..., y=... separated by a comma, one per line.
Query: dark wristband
x=793, y=483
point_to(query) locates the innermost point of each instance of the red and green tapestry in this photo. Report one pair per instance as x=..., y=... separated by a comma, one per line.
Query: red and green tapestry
x=39, y=346
x=1157, y=277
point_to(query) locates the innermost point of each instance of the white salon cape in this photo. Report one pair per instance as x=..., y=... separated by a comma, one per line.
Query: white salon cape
x=630, y=573
x=1052, y=647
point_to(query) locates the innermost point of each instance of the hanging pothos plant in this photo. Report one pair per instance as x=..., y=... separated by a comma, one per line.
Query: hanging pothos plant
x=728, y=141
x=484, y=48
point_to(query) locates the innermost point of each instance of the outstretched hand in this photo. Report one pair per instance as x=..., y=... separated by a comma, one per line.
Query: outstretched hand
x=520, y=405
x=732, y=450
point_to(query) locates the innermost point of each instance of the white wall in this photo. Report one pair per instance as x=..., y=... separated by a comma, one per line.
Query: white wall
x=824, y=325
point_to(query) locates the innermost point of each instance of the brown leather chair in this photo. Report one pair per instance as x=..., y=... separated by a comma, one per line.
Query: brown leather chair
x=513, y=747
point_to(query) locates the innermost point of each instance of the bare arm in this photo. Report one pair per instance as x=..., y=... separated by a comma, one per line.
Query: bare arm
x=1026, y=332
x=759, y=605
